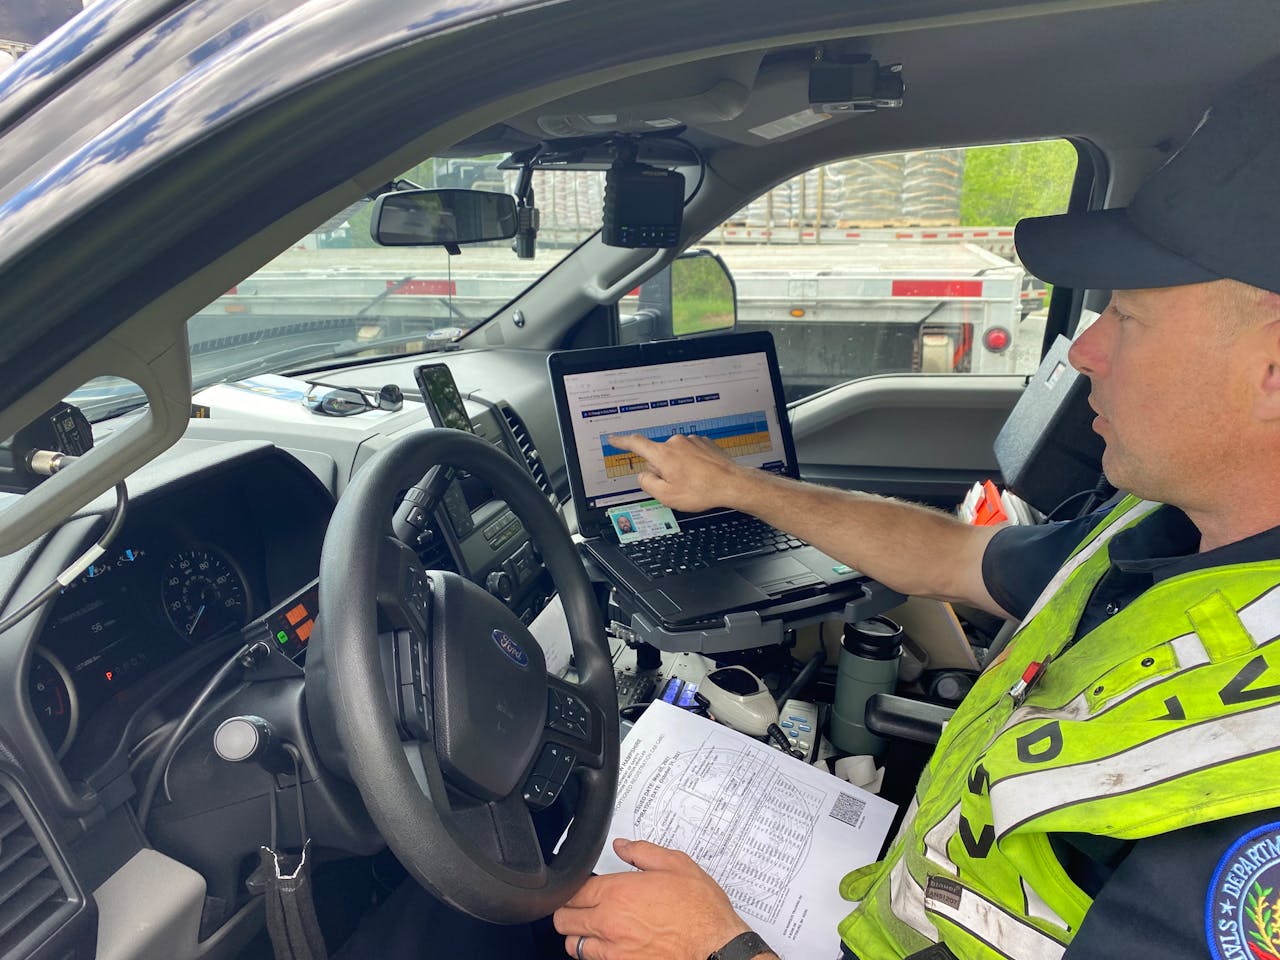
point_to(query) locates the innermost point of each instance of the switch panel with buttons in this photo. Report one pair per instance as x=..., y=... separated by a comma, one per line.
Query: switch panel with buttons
x=568, y=715
x=549, y=775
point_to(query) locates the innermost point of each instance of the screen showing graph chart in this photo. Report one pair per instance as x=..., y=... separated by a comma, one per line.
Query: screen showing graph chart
x=738, y=435
x=727, y=400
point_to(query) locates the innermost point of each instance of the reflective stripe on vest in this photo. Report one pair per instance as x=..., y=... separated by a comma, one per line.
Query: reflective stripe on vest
x=1161, y=717
x=997, y=928
x=1018, y=799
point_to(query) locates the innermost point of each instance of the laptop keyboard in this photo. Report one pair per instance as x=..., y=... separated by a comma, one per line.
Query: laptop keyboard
x=706, y=546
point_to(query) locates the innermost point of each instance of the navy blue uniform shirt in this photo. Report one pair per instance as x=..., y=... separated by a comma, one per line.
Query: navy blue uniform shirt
x=1149, y=896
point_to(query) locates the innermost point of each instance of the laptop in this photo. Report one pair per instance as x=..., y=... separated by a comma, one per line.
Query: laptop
x=685, y=569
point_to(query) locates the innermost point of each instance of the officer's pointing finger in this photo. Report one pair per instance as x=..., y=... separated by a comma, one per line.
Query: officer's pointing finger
x=634, y=443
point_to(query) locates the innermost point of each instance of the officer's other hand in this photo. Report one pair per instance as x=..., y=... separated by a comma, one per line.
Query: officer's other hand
x=685, y=472
x=670, y=910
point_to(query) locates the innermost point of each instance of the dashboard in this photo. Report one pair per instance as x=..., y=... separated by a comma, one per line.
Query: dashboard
x=222, y=532
x=202, y=552
x=216, y=536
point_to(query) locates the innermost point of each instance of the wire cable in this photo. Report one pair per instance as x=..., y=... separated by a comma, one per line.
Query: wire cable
x=174, y=740
x=806, y=674
x=702, y=168
x=1097, y=494
x=82, y=563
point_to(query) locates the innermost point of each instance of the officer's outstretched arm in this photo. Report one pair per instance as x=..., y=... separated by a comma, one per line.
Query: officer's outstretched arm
x=913, y=549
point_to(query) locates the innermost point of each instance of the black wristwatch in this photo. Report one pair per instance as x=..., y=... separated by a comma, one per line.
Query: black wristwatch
x=742, y=947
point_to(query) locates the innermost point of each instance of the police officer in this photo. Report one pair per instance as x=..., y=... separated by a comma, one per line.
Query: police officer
x=1109, y=788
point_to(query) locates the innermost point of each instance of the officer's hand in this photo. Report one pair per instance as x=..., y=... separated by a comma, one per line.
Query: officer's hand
x=670, y=910
x=686, y=472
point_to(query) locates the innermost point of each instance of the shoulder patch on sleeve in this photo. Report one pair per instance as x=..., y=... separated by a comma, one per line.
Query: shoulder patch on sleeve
x=1242, y=905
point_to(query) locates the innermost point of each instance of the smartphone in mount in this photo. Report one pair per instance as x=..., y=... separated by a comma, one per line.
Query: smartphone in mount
x=440, y=394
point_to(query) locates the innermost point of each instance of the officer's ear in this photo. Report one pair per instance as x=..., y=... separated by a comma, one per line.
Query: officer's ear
x=1267, y=398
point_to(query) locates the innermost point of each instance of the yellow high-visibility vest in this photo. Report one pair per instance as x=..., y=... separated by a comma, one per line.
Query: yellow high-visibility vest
x=1164, y=716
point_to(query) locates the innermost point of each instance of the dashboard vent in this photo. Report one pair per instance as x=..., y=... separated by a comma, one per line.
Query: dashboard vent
x=528, y=451
x=31, y=893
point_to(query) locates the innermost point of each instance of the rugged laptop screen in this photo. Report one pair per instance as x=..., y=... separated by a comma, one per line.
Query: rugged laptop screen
x=726, y=391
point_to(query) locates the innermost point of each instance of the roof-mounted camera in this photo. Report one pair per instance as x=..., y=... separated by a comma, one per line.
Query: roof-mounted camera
x=853, y=84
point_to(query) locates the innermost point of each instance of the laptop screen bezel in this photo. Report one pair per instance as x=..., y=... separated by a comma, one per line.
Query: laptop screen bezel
x=564, y=363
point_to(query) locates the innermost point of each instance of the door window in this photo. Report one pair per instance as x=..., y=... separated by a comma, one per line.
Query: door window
x=901, y=263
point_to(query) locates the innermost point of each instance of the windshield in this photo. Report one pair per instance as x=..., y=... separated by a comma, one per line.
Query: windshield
x=335, y=293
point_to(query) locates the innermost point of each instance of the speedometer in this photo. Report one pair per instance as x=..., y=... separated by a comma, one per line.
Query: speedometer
x=203, y=594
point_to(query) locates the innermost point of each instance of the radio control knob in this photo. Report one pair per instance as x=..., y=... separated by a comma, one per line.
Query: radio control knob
x=498, y=583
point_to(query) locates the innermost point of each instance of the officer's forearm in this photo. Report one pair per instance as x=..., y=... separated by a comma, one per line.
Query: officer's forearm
x=913, y=549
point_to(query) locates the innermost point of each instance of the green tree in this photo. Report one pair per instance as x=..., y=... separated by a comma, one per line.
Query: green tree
x=1003, y=184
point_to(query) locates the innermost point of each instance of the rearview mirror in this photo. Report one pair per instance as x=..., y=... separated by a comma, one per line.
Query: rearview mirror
x=419, y=218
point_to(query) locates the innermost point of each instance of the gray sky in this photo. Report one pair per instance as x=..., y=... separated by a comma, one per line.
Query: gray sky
x=28, y=21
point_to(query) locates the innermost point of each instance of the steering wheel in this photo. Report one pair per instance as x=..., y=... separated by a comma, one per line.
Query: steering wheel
x=445, y=717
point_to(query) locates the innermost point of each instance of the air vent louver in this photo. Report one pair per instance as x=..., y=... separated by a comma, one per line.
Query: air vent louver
x=528, y=451
x=31, y=893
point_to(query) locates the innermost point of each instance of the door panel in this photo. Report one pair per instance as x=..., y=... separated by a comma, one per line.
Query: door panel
x=924, y=438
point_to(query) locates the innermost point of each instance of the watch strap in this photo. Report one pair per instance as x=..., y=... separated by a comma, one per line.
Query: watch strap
x=742, y=947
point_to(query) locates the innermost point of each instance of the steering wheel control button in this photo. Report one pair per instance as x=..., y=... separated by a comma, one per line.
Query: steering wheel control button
x=411, y=667
x=553, y=760
x=549, y=775
x=568, y=715
x=417, y=587
x=413, y=710
x=405, y=657
x=538, y=794
x=415, y=665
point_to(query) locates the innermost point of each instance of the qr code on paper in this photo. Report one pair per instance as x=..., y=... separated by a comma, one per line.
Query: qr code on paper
x=849, y=808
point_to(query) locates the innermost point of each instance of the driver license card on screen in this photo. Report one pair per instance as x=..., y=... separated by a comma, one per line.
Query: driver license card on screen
x=640, y=521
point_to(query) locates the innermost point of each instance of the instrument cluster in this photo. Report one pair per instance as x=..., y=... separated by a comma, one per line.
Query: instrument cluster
x=141, y=605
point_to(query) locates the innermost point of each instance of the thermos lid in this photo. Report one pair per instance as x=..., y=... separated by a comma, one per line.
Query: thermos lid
x=876, y=638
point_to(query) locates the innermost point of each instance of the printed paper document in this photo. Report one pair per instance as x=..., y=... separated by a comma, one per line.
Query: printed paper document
x=774, y=832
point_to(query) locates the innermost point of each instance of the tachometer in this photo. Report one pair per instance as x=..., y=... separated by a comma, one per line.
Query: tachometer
x=203, y=594
x=53, y=697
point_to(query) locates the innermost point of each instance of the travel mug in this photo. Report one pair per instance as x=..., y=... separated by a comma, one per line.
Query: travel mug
x=868, y=665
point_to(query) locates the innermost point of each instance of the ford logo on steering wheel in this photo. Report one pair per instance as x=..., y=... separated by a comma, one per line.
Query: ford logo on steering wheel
x=514, y=652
